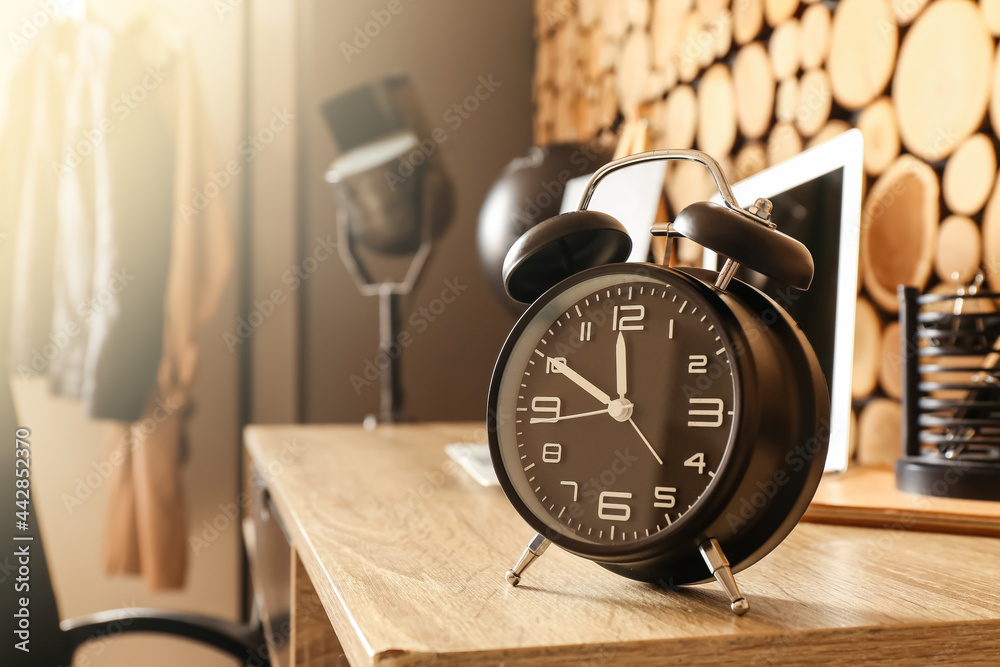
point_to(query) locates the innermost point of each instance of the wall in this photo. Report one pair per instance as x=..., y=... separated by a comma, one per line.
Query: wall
x=272, y=206
x=67, y=446
x=446, y=46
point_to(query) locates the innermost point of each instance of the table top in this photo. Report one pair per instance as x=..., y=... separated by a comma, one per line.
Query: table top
x=867, y=496
x=408, y=555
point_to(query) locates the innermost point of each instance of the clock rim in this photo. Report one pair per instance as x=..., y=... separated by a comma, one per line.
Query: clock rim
x=688, y=530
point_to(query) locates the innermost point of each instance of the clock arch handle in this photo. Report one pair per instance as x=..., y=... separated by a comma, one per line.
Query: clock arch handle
x=671, y=154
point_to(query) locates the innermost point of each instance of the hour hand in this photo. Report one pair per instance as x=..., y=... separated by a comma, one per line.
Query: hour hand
x=560, y=366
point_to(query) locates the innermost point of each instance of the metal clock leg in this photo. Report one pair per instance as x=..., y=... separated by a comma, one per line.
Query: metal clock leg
x=536, y=547
x=719, y=565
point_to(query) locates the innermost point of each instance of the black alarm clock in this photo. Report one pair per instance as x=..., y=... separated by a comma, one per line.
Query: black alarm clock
x=669, y=424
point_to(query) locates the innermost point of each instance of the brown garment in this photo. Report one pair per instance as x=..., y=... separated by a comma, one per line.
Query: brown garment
x=147, y=524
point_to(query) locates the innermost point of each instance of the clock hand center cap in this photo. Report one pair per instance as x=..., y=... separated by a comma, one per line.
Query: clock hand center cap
x=620, y=409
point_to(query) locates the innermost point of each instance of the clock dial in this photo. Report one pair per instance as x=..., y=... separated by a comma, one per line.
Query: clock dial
x=616, y=407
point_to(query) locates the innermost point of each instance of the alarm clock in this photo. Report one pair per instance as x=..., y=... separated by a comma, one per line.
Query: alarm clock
x=669, y=424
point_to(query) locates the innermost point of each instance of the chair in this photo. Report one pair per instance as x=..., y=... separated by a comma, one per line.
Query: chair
x=52, y=642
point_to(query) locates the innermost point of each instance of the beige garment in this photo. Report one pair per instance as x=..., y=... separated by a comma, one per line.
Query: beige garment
x=147, y=525
x=54, y=198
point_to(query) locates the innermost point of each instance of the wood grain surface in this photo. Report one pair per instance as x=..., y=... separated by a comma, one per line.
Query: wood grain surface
x=863, y=46
x=817, y=22
x=313, y=639
x=941, y=87
x=969, y=175
x=899, y=230
x=754, y=84
x=716, y=112
x=959, y=251
x=407, y=555
x=815, y=102
x=867, y=348
x=880, y=436
x=878, y=126
x=748, y=19
x=867, y=496
x=785, y=48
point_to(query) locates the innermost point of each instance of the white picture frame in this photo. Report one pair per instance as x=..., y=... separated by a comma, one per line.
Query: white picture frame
x=844, y=151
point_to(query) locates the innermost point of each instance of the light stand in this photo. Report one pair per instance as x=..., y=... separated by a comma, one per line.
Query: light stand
x=393, y=199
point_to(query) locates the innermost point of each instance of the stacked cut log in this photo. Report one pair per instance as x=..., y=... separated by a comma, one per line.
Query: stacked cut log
x=755, y=82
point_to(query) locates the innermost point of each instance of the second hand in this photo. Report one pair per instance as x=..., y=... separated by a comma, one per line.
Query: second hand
x=553, y=420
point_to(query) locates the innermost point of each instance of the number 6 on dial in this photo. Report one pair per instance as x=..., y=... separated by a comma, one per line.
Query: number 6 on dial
x=613, y=511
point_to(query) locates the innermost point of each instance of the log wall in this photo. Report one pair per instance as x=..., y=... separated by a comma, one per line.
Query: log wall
x=754, y=82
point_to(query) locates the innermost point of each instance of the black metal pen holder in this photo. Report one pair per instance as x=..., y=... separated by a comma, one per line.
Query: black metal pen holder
x=951, y=395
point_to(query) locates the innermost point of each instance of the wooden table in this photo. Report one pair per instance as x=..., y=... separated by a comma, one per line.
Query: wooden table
x=867, y=496
x=398, y=558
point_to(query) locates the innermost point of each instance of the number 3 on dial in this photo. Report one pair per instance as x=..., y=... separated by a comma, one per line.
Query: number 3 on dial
x=713, y=408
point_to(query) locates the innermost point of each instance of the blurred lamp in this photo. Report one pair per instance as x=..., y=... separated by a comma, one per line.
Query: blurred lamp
x=529, y=190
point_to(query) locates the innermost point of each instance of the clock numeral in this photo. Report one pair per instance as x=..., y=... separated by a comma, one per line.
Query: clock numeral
x=585, y=330
x=696, y=461
x=613, y=511
x=551, y=452
x=714, y=407
x=623, y=322
x=575, y=486
x=665, y=496
x=550, y=364
x=546, y=405
x=698, y=363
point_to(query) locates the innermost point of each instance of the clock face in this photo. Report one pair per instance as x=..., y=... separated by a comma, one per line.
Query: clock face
x=616, y=406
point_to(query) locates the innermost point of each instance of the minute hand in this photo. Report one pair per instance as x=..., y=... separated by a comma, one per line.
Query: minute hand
x=579, y=380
